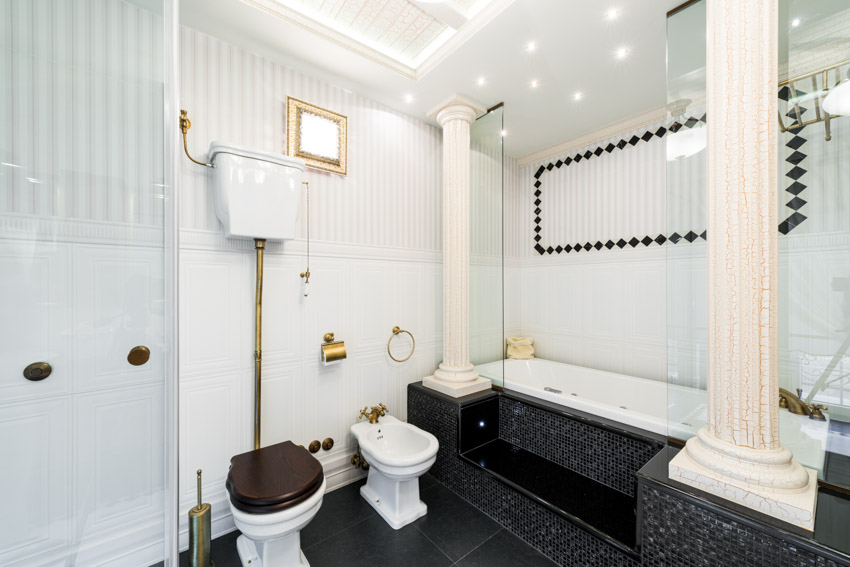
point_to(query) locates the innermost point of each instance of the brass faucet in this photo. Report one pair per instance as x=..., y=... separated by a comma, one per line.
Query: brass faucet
x=378, y=411
x=798, y=407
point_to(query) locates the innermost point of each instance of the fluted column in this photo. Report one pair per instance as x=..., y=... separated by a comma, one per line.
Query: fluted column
x=456, y=376
x=738, y=455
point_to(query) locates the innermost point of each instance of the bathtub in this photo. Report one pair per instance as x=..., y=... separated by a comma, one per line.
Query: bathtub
x=651, y=405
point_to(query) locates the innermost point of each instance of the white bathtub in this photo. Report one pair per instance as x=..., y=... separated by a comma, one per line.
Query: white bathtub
x=650, y=405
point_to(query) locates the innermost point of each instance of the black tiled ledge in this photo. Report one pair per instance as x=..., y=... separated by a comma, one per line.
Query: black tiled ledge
x=829, y=542
x=606, y=513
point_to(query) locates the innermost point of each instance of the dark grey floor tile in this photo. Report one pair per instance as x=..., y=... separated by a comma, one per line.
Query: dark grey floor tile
x=426, y=481
x=340, y=509
x=454, y=525
x=505, y=550
x=373, y=542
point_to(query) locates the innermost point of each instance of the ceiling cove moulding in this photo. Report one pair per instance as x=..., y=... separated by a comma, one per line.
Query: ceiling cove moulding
x=631, y=123
x=435, y=29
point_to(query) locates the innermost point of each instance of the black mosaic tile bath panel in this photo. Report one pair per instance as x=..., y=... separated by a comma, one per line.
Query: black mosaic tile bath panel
x=678, y=533
x=549, y=533
x=684, y=527
x=604, y=456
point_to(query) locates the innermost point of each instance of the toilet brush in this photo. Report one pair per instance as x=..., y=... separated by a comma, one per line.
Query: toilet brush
x=199, y=532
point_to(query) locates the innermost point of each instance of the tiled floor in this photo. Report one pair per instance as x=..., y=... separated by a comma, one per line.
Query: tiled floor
x=347, y=532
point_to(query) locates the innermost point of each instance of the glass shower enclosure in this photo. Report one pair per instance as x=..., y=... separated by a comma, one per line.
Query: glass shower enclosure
x=87, y=342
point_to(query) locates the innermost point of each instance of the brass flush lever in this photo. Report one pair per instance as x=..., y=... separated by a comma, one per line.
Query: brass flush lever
x=185, y=124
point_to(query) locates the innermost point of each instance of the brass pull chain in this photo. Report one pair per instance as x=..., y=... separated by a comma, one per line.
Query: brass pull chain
x=306, y=274
x=185, y=124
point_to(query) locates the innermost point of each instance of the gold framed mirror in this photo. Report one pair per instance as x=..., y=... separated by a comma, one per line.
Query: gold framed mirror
x=317, y=135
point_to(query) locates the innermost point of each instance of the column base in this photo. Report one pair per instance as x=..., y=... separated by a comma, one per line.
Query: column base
x=795, y=506
x=457, y=389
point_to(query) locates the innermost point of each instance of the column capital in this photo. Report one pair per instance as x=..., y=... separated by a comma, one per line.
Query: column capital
x=456, y=107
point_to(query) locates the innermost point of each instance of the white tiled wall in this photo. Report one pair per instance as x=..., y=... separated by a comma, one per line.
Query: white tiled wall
x=601, y=309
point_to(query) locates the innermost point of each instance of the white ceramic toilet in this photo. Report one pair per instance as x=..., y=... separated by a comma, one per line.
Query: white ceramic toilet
x=398, y=454
x=274, y=493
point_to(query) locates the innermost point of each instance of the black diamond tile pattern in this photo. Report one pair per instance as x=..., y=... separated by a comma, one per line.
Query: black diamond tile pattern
x=604, y=456
x=677, y=532
x=549, y=533
x=796, y=158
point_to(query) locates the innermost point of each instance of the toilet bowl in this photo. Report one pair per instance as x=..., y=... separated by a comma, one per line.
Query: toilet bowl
x=398, y=454
x=274, y=493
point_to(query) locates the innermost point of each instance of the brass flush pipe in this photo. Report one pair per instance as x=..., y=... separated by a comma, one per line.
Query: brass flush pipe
x=185, y=124
x=259, y=245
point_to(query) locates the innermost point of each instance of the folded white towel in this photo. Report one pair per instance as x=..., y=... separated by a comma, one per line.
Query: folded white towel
x=520, y=348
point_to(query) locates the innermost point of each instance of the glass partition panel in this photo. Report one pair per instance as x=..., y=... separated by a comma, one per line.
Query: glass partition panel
x=686, y=223
x=814, y=230
x=84, y=359
x=486, y=320
x=814, y=248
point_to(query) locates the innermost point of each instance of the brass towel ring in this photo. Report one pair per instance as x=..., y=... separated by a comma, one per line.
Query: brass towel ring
x=396, y=331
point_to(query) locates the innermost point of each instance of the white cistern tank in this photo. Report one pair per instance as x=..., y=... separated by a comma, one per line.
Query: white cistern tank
x=257, y=194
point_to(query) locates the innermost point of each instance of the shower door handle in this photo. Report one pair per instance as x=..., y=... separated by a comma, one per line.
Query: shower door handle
x=138, y=355
x=37, y=371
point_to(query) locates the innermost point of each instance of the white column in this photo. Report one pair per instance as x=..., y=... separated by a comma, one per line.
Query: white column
x=738, y=455
x=456, y=376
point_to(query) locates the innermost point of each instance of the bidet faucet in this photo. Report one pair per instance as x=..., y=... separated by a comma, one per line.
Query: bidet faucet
x=377, y=411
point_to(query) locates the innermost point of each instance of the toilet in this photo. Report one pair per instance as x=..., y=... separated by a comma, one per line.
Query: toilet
x=274, y=493
x=398, y=453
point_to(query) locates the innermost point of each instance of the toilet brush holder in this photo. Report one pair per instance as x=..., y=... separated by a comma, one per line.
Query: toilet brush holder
x=200, y=528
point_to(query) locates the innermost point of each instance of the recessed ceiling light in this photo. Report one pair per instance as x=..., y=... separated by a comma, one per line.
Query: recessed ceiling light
x=408, y=98
x=481, y=81
x=504, y=133
x=535, y=83
x=531, y=46
x=578, y=95
x=622, y=52
x=612, y=14
x=795, y=22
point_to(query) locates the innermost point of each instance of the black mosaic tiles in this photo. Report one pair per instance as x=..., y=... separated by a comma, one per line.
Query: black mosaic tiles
x=678, y=533
x=604, y=456
x=606, y=512
x=682, y=526
x=557, y=538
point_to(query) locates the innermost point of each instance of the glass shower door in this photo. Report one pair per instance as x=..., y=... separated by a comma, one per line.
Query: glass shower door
x=83, y=359
x=486, y=314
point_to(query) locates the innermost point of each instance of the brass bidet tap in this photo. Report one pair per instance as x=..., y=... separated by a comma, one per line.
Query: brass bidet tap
x=377, y=411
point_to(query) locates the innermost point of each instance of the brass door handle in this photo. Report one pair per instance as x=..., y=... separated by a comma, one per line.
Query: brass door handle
x=138, y=355
x=37, y=371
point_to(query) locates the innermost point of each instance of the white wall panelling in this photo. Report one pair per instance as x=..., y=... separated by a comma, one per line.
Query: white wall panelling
x=375, y=263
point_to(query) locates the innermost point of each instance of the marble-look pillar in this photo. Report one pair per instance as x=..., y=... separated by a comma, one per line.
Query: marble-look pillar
x=738, y=455
x=456, y=376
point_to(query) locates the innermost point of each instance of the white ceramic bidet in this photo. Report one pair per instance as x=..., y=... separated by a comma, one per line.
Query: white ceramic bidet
x=398, y=454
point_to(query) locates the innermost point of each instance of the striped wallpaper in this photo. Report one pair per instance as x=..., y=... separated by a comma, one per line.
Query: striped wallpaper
x=391, y=196
x=81, y=91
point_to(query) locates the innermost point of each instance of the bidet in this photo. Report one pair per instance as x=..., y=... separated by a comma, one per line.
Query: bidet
x=398, y=453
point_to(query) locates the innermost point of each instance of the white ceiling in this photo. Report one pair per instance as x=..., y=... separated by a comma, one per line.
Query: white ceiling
x=576, y=46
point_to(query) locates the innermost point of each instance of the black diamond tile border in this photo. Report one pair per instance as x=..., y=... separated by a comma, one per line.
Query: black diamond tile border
x=795, y=217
